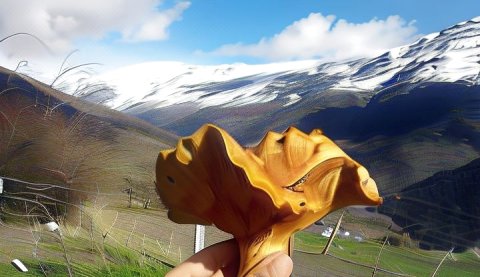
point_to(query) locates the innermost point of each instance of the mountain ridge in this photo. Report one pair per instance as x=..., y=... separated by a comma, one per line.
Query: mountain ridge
x=450, y=55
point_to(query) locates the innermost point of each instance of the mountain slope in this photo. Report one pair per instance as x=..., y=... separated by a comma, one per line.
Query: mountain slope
x=442, y=210
x=83, y=150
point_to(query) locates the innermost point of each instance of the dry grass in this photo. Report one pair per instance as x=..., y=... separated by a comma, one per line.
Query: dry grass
x=71, y=162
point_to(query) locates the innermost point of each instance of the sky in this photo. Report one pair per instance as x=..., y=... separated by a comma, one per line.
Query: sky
x=115, y=33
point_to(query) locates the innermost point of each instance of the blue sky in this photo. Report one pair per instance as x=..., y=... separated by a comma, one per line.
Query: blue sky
x=120, y=32
x=208, y=24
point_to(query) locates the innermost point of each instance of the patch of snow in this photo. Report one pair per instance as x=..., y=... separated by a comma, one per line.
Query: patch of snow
x=395, y=52
x=336, y=68
x=293, y=98
x=375, y=81
x=476, y=19
x=431, y=36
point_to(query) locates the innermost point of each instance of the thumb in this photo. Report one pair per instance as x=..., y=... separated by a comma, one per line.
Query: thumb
x=276, y=265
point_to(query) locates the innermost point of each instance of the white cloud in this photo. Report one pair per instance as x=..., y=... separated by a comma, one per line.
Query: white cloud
x=60, y=23
x=63, y=24
x=156, y=27
x=318, y=36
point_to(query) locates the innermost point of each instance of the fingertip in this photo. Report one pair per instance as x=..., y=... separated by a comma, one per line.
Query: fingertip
x=283, y=264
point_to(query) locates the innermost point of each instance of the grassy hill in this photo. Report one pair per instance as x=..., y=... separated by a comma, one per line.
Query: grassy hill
x=79, y=164
x=81, y=148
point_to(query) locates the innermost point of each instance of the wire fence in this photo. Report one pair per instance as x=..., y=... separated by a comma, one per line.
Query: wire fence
x=367, y=243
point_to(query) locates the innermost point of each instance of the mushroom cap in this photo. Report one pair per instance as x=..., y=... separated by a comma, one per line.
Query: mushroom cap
x=290, y=179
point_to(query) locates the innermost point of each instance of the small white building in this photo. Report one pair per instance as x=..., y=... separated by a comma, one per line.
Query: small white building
x=327, y=232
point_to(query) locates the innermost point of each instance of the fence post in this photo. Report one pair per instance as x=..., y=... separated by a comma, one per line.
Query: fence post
x=378, y=257
x=441, y=262
x=332, y=236
x=199, y=237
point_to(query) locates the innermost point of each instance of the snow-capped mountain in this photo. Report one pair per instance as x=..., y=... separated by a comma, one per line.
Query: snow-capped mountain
x=448, y=56
x=180, y=97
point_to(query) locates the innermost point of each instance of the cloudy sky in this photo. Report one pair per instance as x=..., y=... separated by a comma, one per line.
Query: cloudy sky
x=121, y=32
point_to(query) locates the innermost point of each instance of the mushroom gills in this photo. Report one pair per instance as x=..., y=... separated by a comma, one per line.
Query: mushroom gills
x=297, y=186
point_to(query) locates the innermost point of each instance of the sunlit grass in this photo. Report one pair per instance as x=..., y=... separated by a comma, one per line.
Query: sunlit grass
x=134, y=267
x=400, y=259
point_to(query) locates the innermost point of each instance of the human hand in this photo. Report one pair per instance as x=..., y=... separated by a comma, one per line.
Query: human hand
x=222, y=260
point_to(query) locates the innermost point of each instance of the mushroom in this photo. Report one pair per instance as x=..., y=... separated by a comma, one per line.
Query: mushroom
x=260, y=195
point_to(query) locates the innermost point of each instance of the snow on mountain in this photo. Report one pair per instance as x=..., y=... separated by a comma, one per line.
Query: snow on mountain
x=169, y=83
x=451, y=55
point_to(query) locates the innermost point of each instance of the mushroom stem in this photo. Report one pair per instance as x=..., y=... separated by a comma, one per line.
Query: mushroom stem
x=254, y=249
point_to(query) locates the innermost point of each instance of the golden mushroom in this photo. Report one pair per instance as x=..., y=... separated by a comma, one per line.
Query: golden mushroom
x=260, y=195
